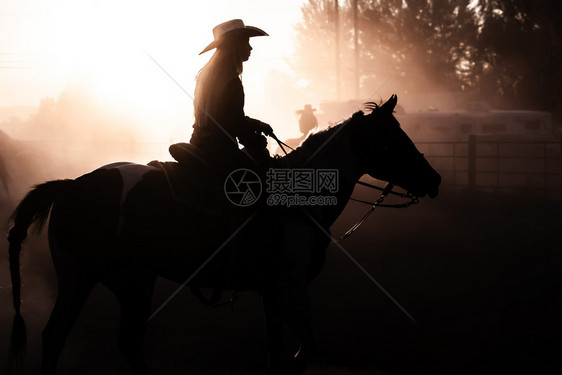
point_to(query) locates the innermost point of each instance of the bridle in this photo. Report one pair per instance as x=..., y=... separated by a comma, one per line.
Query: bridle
x=387, y=190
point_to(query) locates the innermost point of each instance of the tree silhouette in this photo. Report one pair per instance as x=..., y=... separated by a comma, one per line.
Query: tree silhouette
x=508, y=50
x=521, y=53
x=431, y=34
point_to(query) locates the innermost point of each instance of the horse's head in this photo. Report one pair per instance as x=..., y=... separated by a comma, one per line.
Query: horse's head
x=387, y=153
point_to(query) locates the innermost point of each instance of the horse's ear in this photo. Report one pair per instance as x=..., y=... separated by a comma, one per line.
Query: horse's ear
x=390, y=104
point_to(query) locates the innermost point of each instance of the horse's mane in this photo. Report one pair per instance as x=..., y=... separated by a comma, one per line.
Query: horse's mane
x=322, y=135
x=319, y=138
x=316, y=140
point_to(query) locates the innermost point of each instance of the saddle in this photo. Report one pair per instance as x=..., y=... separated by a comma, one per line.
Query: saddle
x=194, y=180
x=201, y=180
x=189, y=154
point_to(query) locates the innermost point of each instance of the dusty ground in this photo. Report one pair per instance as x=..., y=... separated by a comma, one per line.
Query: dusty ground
x=480, y=273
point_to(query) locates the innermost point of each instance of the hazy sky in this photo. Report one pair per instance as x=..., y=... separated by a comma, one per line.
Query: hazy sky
x=105, y=44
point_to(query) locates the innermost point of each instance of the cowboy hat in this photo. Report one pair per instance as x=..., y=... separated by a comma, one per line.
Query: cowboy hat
x=228, y=27
x=307, y=108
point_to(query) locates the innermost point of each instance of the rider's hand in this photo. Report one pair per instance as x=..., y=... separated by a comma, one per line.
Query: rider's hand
x=265, y=128
x=261, y=127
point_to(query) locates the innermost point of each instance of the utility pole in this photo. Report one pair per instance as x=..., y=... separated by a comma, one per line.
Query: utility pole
x=356, y=48
x=338, y=67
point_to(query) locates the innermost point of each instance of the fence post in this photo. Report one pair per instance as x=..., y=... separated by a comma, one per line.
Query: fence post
x=472, y=161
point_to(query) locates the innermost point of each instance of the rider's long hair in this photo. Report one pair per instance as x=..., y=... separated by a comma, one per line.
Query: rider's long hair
x=224, y=65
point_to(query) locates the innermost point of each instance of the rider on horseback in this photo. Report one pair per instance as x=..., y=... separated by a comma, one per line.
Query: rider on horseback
x=219, y=99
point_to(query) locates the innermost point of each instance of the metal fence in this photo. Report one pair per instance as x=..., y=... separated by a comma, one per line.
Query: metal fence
x=498, y=163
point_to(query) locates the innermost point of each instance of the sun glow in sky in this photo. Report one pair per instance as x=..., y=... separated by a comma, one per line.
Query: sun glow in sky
x=111, y=47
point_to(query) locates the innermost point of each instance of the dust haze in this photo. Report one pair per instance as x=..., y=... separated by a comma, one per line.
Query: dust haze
x=478, y=267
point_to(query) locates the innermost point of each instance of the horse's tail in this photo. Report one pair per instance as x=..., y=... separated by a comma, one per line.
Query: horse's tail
x=33, y=209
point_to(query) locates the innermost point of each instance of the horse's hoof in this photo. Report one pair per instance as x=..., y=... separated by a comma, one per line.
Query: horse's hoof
x=294, y=366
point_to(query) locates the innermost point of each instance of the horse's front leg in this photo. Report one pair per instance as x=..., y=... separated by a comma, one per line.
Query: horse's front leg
x=274, y=323
x=287, y=303
x=288, y=306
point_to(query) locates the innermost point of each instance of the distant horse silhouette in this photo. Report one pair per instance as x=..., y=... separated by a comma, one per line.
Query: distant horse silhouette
x=120, y=226
x=5, y=177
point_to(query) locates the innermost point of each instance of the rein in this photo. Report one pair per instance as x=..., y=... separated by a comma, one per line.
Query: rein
x=385, y=191
x=281, y=143
x=378, y=203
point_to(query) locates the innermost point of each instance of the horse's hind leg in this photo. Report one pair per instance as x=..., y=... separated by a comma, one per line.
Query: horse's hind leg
x=75, y=285
x=134, y=297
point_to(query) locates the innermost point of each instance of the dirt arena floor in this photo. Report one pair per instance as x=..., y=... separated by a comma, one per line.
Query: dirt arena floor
x=481, y=273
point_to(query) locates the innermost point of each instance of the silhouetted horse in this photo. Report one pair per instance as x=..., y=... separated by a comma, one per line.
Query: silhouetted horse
x=120, y=226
